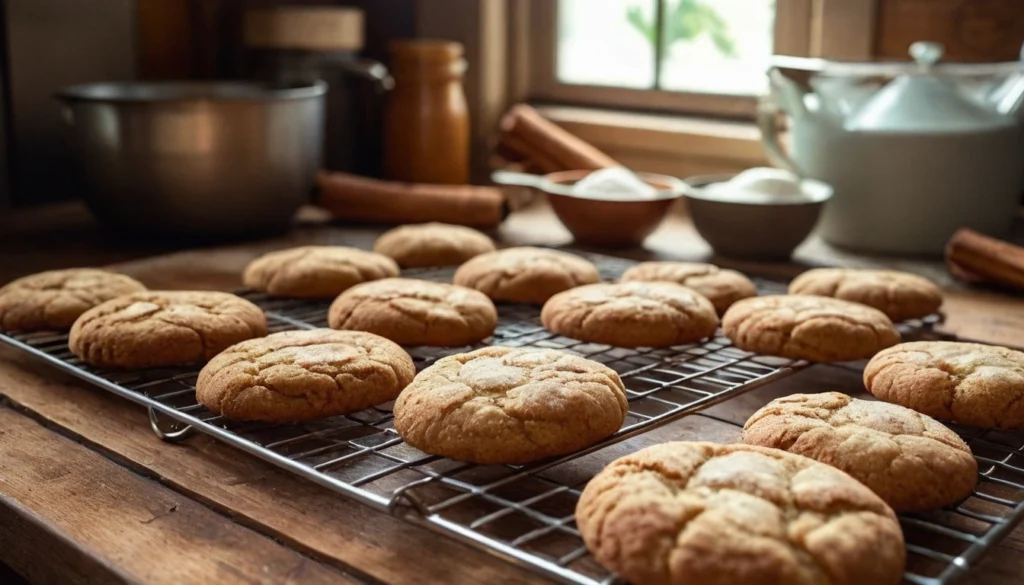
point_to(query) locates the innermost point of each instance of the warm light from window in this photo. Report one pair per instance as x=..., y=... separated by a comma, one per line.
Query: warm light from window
x=704, y=46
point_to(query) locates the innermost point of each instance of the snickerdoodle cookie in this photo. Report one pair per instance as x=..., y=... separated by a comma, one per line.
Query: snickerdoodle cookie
x=164, y=328
x=970, y=383
x=685, y=513
x=900, y=295
x=510, y=405
x=631, y=314
x=416, y=312
x=817, y=329
x=525, y=275
x=432, y=244
x=317, y=272
x=301, y=375
x=908, y=459
x=722, y=287
x=55, y=298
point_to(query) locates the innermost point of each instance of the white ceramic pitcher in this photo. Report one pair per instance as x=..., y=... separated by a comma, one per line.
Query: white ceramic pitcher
x=911, y=160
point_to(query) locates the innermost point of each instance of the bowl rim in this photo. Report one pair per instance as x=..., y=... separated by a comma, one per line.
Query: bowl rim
x=549, y=184
x=147, y=92
x=820, y=191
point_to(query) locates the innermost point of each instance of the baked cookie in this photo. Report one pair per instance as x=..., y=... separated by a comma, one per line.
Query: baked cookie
x=316, y=272
x=301, y=375
x=970, y=383
x=510, y=405
x=432, y=244
x=817, y=329
x=686, y=513
x=900, y=295
x=55, y=298
x=164, y=328
x=525, y=275
x=631, y=314
x=908, y=459
x=722, y=287
x=416, y=312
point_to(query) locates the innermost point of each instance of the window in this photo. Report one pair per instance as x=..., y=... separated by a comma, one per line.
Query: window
x=690, y=56
x=705, y=46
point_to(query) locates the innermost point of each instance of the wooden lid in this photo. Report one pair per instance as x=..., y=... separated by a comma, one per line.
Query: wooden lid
x=310, y=28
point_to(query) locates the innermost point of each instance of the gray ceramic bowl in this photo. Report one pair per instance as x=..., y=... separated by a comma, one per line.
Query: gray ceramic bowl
x=753, y=231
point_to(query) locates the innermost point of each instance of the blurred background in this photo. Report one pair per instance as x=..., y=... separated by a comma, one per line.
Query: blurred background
x=702, y=58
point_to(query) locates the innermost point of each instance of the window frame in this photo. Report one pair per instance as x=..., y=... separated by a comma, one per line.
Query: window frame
x=838, y=29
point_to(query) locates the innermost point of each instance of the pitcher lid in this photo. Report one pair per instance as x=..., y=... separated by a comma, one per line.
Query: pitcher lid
x=924, y=102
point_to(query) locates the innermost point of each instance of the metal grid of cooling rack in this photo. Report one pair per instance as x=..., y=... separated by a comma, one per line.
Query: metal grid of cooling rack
x=525, y=513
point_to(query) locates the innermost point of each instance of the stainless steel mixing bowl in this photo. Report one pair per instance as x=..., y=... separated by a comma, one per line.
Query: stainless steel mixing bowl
x=195, y=160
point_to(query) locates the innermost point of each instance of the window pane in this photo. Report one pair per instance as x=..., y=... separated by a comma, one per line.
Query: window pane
x=717, y=46
x=606, y=42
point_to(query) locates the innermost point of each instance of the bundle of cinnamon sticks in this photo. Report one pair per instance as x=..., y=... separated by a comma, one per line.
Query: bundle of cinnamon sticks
x=977, y=258
x=529, y=142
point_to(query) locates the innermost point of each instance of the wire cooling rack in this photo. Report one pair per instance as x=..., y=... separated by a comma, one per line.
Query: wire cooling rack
x=524, y=513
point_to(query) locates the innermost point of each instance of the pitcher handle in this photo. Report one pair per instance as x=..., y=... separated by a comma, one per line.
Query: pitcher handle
x=767, y=118
x=373, y=71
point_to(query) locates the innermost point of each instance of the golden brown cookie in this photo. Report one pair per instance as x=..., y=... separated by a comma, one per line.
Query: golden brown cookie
x=631, y=314
x=525, y=275
x=687, y=513
x=970, y=383
x=910, y=460
x=164, y=328
x=817, y=329
x=510, y=405
x=316, y=272
x=432, y=244
x=722, y=287
x=416, y=312
x=900, y=295
x=301, y=375
x=55, y=298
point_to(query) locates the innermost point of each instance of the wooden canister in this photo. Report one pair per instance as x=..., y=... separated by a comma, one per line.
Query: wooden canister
x=427, y=123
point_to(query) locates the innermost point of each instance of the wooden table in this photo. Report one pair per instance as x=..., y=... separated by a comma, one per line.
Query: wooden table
x=89, y=495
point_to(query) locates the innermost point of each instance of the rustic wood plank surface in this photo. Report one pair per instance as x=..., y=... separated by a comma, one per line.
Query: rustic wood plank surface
x=334, y=536
x=307, y=517
x=73, y=516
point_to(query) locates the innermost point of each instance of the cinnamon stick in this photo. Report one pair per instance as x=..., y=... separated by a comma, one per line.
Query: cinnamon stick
x=976, y=257
x=362, y=199
x=547, y=141
x=516, y=147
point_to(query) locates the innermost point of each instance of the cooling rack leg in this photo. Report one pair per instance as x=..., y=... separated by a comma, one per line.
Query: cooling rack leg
x=171, y=436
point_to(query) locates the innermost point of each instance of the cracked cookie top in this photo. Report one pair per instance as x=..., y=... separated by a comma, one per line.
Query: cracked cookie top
x=164, y=328
x=416, y=312
x=316, y=272
x=510, y=405
x=682, y=513
x=55, y=298
x=813, y=328
x=900, y=295
x=722, y=287
x=631, y=314
x=525, y=274
x=302, y=375
x=912, y=461
x=432, y=244
x=970, y=383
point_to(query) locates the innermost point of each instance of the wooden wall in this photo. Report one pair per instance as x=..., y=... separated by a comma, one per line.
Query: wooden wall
x=971, y=30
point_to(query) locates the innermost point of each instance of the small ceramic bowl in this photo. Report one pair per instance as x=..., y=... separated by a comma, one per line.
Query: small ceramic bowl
x=753, y=231
x=603, y=221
